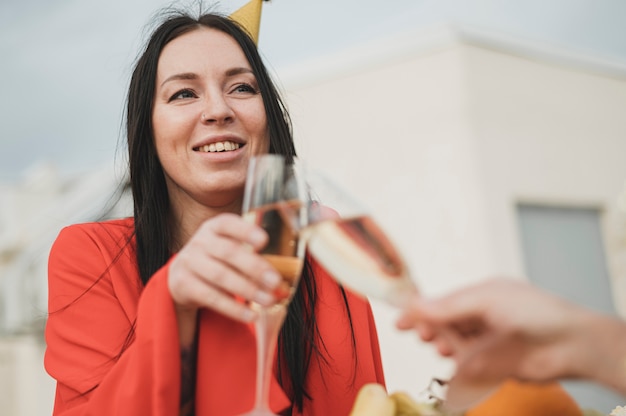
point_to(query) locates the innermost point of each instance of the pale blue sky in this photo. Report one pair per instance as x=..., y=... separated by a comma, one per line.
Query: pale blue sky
x=65, y=64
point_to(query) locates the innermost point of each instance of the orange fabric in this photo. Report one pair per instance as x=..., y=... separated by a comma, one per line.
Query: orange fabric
x=515, y=398
x=95, y=295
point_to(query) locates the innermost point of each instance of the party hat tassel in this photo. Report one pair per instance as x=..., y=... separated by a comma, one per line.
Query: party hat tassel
x=249, y=16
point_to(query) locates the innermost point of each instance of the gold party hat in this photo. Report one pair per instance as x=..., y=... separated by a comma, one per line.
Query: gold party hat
x=249, y=16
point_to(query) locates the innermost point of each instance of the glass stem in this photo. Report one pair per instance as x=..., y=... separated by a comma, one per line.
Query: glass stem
x=267, y=325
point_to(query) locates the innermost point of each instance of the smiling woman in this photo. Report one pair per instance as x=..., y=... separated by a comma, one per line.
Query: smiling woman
x=168, y=290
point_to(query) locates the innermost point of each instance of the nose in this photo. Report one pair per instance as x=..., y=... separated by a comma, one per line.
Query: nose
x=217, y=110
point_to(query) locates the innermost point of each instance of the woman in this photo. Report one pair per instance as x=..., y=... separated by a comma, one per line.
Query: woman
x=149, y=315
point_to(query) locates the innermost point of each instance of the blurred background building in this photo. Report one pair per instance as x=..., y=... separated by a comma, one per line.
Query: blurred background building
x=483, y=155
x=481, y=152
x=32, y=212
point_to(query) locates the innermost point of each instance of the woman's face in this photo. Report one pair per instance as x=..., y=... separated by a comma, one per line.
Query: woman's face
x=208, y=118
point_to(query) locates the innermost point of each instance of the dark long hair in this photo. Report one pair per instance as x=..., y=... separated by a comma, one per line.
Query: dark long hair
x=153, y=225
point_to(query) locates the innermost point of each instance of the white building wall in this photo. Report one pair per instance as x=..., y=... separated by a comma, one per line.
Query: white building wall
x=33, y=211
x=399, y=136
x=442, y=144
x=550, y=134
x=25, y=389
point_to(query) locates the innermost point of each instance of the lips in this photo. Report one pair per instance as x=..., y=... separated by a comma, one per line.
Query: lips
x=216, y=147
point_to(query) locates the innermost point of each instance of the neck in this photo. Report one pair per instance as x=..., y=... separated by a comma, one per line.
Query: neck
x=187, y=217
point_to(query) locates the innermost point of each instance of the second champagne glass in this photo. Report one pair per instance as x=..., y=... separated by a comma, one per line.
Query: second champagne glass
x=346, y=239
x=274, y=199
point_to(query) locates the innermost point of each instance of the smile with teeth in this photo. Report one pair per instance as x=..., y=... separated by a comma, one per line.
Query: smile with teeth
x=225, y=146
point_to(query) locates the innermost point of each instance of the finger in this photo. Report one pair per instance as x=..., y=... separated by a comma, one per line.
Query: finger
x=410, y=314
x=449, y=342
x=215, y=273
x=239, y=257
x=212, y=298
x=490, y=296
x=443, y=347
x=465, y=304
x=425, y=331
x=235, y=227
x=469, y=328
x=227, y=248
x=199, y=294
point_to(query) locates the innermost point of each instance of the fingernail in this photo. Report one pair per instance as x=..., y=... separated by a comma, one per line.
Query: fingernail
x=257, y=237
x=271, y=278
x=264, y=298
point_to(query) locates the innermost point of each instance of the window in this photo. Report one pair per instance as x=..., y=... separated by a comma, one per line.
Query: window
x=564, y=254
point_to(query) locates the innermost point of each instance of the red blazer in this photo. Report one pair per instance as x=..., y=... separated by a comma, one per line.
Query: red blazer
x=95, y=295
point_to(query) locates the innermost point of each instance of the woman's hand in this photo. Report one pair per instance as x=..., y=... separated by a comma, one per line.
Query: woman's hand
x=219, y=263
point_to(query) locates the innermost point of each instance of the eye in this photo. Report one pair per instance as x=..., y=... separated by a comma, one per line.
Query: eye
x=245, y=88
x=183, y=94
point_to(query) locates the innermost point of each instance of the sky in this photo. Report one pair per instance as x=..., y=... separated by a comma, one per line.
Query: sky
x=65, y=64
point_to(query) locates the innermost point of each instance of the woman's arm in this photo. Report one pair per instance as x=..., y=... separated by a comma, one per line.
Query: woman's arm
x=111, y=346
x=600, y=352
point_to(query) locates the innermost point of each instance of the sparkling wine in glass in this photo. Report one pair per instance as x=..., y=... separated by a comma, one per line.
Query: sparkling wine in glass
x=346, y=239
x=275, y=199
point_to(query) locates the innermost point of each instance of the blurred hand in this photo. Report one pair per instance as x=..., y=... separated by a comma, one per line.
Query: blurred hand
x=219, y=263
x=503, y=328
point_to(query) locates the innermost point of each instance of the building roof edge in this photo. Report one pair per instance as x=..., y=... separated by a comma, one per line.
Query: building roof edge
x=419, y=42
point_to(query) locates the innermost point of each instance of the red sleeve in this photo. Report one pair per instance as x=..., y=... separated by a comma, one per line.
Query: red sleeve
x=334, y=381
x=93, y=305
x=90, y=319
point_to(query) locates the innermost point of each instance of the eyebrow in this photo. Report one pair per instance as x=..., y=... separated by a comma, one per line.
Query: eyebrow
x=183, y=76
x=191, y=76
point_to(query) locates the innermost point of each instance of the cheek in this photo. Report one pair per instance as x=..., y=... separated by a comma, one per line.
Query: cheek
x=168, y=130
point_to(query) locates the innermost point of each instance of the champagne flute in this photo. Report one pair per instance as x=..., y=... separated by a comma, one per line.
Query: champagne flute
x=274, y=199
x=346, y=239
